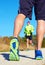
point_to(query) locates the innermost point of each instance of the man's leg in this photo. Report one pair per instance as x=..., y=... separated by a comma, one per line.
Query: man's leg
x=31, y=42
x=40, y=34
x=18, y=24
x=27, y=43
x=14, y=44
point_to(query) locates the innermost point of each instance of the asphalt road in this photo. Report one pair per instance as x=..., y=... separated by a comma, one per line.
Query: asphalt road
x=26, y=58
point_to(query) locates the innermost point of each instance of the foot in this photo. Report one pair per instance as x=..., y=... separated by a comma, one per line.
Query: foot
x=14, y=50
x=38, y=55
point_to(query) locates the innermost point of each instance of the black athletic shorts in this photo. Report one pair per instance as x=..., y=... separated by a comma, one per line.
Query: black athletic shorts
x=29, y=37
x=27, y=5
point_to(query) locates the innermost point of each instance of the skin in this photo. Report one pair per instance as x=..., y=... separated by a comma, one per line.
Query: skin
x=40, y=29
x=30, y=41
x=40, y=33
x=27, y=43
x=18, y=24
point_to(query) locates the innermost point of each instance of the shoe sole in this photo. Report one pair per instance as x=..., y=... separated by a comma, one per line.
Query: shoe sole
x=14, y=56
x=39, y=58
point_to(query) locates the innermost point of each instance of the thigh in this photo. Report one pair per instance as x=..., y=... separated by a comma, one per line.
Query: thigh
x=26, y=7
x=40, y=9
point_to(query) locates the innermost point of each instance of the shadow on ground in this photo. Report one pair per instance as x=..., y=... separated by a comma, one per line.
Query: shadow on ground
x=6, y=56
x=26, y=57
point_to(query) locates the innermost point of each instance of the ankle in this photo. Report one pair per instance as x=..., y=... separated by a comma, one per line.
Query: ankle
x=15, y=38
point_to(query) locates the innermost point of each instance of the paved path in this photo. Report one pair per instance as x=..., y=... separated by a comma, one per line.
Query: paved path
x=26, y=58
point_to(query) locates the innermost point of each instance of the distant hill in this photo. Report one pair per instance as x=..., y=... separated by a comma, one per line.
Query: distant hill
x=5, y=43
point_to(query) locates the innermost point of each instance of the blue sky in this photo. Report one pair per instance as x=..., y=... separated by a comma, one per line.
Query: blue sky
x=8, y=13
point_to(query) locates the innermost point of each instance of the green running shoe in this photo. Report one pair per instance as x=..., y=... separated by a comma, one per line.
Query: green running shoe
x=14, y=50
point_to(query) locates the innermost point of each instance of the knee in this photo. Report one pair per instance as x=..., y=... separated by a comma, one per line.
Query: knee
x=21, y=16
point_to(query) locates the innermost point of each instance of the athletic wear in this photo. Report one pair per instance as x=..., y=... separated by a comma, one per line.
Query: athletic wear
x=38, y=55
x=29, y=37
x=28, y=30
x=39, y=8
x=14, y=50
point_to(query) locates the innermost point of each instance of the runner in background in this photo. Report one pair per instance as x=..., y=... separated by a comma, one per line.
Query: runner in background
x=28, y=34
